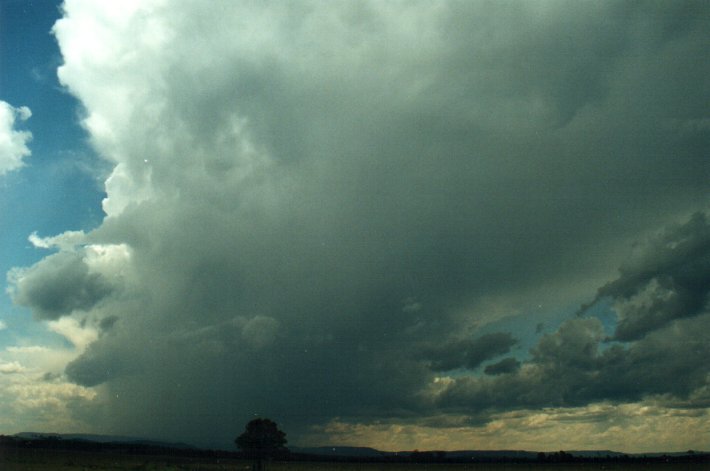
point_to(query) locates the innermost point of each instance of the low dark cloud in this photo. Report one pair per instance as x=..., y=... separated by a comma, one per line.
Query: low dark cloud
x=578, y=365
x=469, y=354
x=96, y=367
x=58, y=285
x=574, y=367
x=506, y=365
x=667, y=278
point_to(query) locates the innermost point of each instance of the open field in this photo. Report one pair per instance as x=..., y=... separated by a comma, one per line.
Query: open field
x=57, y=460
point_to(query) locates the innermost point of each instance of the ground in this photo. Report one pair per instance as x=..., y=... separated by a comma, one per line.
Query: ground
x=58, y=460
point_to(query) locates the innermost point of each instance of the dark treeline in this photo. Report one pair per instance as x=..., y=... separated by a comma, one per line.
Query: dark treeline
x=8, y=443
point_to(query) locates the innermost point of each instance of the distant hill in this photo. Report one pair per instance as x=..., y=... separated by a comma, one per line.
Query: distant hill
x=103, y=439
x=346, y=453
x=492, y=454
x=597, y=453
x=460, y=455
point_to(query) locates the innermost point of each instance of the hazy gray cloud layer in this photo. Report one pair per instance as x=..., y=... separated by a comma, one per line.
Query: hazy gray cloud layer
x=315, y=206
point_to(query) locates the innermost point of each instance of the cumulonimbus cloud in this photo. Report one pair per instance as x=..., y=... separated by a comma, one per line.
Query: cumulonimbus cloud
x=286, y=174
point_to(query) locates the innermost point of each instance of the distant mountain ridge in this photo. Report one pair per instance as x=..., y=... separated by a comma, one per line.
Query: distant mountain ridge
x=96, y=438
x=354, y=451
x=364, y=452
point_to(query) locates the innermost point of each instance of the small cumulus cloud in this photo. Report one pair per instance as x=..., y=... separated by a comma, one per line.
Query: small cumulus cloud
x=39, y=357
x=66, y=240
x=11, y=368
x=27, y=349
x=80, y=335
x=70, y=280
x=58, y=285
x=44, y=405
x=13, y=142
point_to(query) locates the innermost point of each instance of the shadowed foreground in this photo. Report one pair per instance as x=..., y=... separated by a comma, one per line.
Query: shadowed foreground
x=62, y=460
x=53, y=453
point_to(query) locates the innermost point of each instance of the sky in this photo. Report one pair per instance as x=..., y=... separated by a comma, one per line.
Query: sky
x=399, y=224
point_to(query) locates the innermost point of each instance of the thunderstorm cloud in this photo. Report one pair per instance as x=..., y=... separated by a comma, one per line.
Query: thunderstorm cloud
x=319, y=211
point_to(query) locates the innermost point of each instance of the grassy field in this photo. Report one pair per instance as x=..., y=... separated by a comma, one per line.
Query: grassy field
x=48, y=460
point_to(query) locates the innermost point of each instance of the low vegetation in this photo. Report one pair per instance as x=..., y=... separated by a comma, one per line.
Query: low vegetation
x=66, y=455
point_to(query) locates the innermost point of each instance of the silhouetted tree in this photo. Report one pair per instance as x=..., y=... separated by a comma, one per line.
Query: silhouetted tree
x=262, y=439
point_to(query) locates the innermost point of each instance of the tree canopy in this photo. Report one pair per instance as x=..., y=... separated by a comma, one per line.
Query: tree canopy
x=262, y=437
